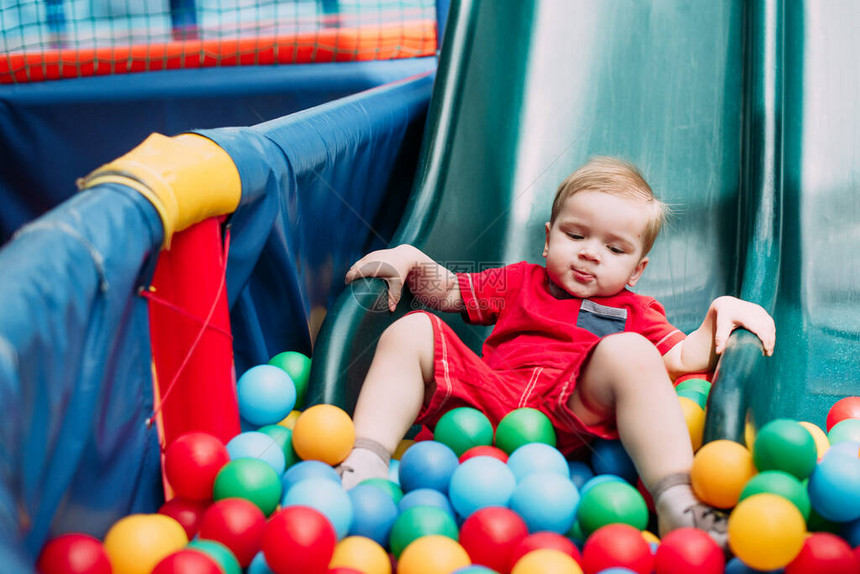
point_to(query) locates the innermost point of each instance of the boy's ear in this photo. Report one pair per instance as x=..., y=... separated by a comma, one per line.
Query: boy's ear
x=637, y=273
x=546, y=241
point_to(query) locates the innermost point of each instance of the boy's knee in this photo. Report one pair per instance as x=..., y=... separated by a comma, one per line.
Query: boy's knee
x=631, y=349
x=408, y=328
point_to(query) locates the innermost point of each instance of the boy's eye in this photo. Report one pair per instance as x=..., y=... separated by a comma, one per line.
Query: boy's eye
x=616, y=250
x=574, y=235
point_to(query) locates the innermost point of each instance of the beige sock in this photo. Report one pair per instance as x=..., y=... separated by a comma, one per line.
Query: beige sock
x=678, y=507
x=368, y=459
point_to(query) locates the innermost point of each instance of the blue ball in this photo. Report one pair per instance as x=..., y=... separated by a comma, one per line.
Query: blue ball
x=425, y=497
x=259, y=565
x=474, y=569
x=374, y=513
x=266, y=395
x=546, y=502
x=834, y=485
x=609, y=457
x=598, y=479
x=537, y=457
x=427, y=464
x=253, y=444
x=326, y=496
x=308, y=469
x=580, y=473
x=394, y=471
x=479, y=482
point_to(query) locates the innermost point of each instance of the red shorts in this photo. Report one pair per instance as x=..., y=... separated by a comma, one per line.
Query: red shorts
x=464, y=380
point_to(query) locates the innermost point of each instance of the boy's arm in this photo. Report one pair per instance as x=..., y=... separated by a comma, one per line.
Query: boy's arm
x=430, y=282
x=698, y=352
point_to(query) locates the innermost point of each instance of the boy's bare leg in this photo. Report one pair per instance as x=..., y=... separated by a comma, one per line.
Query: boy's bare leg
x=625, y=380
x=391, y=397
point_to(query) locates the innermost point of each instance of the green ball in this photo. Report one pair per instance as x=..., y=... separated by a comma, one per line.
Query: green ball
x=575, y=533
x=610, y=502
x=697, y=385
x=782, y=484
x=523, y=426
x=462, y=428
x=391, y=488
x=845, y=430
x=298, y=367
x=249, y=478
x=420, y=521
x=697, y=397
x=784, y=444
x=222, y=555
x=283, y=437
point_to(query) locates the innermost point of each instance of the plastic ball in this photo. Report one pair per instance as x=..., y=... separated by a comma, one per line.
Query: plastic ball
x=783, y=444
x=617, y=545
x=694, y=416
x=687, y=550
x=432, y=554
x=609, y=457
x=845, y=430
x=766, y=531
x=236, y=523
x=289, y=421
x=547, y=540
x=834, y=486
x=781, y=483
x=425, y=497
x=474, y=569
x=537, y=457
x=490, y=536
x=428, y=464
x=191, y=463
x=388, y=486
x=609, y=502
x=844, y=408
x=136, y=543
x=374, y=513
x=694, y=384
x=851, y=533
x=463, y=428
x=522, y=426
x=186, y=512
x=479, y=482
x=217, y=552
x=283, y=437
x=327, y=497
x=417, y=522
x=299, y=540
x=580, y=473
x=491, y=451
x=824, y=552
x=822, y=443
x=251, y=479
x=401, y=448
x=266, y=395
x=253, y=444
x=546, y=561
x=73, y=553
x=298, y=367
x=308, y=469
x=363, y=554
x=259, y=565
x=188, y=561
x=546, y=501
x=324, y=433
x=720, y=471
x=599, y=479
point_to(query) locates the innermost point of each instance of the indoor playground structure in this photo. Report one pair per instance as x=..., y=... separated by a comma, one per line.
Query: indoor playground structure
x=185, y=184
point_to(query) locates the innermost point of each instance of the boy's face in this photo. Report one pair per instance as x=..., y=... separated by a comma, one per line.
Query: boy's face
x=594, y=247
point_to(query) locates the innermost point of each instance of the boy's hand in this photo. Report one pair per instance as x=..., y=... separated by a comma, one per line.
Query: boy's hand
x=731, y=313
x=391, y=265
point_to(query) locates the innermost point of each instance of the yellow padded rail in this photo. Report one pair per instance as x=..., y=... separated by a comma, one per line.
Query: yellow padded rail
x=187, y=178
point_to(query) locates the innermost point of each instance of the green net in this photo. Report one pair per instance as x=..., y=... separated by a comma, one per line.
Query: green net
x=51, y=39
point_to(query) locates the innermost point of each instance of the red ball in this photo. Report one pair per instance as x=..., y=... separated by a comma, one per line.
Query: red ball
x=551, y=540
x=298, y=540
x=187, y=561
x=186, y=512
x=73, y=553
x=191, y=463
x=238, y=524
x=484, y=450
x=689, y=550
x=344, y=570
x=844, y=408
x=824, y=552
x=490, y=534
x=617, y=545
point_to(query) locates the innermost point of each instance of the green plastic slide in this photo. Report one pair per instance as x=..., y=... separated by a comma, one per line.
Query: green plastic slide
x=739, y=116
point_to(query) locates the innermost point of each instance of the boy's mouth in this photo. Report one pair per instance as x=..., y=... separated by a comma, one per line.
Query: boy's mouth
x=582, y=276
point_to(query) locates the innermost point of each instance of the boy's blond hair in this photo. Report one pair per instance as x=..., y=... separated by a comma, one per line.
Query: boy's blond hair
x=616, y=177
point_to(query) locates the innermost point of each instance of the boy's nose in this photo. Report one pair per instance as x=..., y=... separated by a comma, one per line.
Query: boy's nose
x=588, y=253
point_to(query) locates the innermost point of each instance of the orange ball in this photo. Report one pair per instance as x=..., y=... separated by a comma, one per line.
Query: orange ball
x=766, y=531
x=362, y=554
x=136, y=543
x=433, y=554
x=694, y=415
x=720, y=471
x=546, y=561
x=324, y=433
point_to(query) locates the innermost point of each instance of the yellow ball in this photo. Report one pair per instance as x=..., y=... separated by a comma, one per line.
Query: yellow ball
x=720, y=471
x=401, y=448
x=362, y=554
x=433, y=554
x=822, y=443
x=546, y=561
x=650, y=537
x=137, y=543
x=290, y=420
x=695, y=417
x=325, y=433
x=766, y=531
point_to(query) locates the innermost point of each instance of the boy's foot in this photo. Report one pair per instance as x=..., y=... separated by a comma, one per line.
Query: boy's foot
x=678, y=507
x=368, y=459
